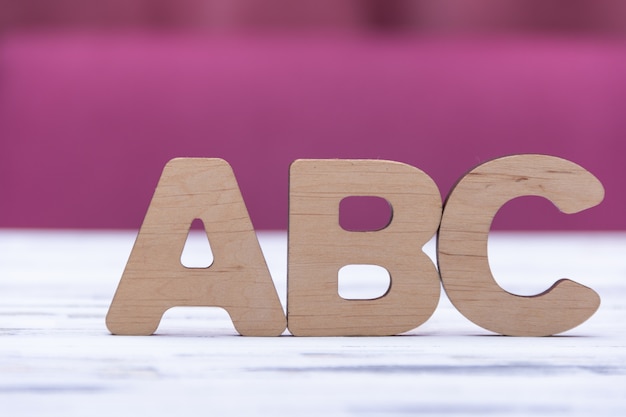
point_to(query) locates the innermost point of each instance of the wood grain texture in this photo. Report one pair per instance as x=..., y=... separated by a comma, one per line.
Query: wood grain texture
x=154, y=279
x=319, y=247
x=462, y=245
x=58, y=360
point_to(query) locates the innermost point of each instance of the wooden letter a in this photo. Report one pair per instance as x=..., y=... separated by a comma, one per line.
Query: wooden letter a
x=155, y=280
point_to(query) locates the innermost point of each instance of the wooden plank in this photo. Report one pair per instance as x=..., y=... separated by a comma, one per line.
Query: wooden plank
x=58, y=359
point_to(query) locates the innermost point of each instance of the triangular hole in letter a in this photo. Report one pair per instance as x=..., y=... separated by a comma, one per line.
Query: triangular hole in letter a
x=197, y=251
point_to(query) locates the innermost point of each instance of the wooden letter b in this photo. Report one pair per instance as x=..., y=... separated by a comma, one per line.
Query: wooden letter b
x=319, y=247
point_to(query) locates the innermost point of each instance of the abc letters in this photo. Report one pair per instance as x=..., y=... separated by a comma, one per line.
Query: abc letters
x=154, y=279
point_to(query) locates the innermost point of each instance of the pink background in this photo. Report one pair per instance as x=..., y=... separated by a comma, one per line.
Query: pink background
x=88, y=121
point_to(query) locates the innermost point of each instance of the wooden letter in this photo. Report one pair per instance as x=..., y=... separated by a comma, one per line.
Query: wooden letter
x=462, y=245
x=319, y=247
x=155, y=280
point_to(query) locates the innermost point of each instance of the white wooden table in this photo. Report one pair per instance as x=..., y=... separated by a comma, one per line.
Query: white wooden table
x=58, y=359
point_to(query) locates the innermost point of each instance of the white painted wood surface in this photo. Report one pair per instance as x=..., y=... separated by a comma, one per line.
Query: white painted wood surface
x=58, y=359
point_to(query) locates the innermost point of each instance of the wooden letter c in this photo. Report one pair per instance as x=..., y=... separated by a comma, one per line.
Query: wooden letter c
x=462, y=245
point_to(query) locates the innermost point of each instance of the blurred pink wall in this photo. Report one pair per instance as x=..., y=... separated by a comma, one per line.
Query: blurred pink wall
x=418, y=16
x=96, y=96
x=87, y=122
